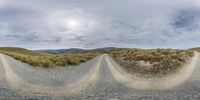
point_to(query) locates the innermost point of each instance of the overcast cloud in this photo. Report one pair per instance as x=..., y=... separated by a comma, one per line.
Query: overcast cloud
x=42, y=24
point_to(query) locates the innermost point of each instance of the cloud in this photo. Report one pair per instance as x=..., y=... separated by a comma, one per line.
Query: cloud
x=38, y=24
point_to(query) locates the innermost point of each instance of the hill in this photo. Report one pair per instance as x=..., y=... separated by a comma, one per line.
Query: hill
x=44, y=59
x=72, y=50
x=195, y=49
x=18, y=50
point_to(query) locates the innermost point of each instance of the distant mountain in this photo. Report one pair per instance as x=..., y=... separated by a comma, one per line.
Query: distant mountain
x=72, y=50
x=105, y=48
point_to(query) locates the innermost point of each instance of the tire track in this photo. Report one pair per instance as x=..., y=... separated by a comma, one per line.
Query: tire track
x=18, y=84
x=167, y=82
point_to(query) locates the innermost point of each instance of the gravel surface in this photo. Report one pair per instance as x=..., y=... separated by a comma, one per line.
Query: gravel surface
x=106, y=86
x=153, y=83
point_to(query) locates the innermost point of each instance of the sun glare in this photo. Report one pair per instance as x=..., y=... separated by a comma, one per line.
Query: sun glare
x=72, y=24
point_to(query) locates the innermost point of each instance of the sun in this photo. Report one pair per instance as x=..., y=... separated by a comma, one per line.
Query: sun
x=72, y=23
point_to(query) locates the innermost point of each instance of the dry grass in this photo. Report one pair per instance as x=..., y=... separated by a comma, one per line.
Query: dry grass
x=156, y=62
x=138, y=61
x=42, y=59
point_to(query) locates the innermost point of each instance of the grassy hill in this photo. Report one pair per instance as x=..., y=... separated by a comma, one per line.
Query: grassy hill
x=21, y=51
x=195, y=49
x=43, y=59
x=74, y=50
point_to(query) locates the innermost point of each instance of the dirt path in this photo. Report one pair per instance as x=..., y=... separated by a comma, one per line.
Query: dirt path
x=170, y=81
x=17, y=83
x=98, y=79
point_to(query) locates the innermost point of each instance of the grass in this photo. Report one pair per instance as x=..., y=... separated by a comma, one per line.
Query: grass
x=42, y=59
x=195, y=49
x=154, y=62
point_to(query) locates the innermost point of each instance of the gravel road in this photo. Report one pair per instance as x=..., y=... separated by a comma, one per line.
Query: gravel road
x=98, y=79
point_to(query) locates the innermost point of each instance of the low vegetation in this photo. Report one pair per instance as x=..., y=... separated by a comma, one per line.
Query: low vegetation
x=156, y=62
x=42, y=59
x=195, y=49
x=145, y=62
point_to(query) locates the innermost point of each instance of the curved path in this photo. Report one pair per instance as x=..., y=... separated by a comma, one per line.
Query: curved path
x=19, y=84
x=167, y=82
x=101, y=79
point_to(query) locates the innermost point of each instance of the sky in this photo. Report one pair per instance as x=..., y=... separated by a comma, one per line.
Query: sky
x=55, y=24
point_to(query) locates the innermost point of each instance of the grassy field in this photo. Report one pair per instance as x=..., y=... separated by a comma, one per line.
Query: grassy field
x=138, y=61
x=195, y=49
x=42, y=59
